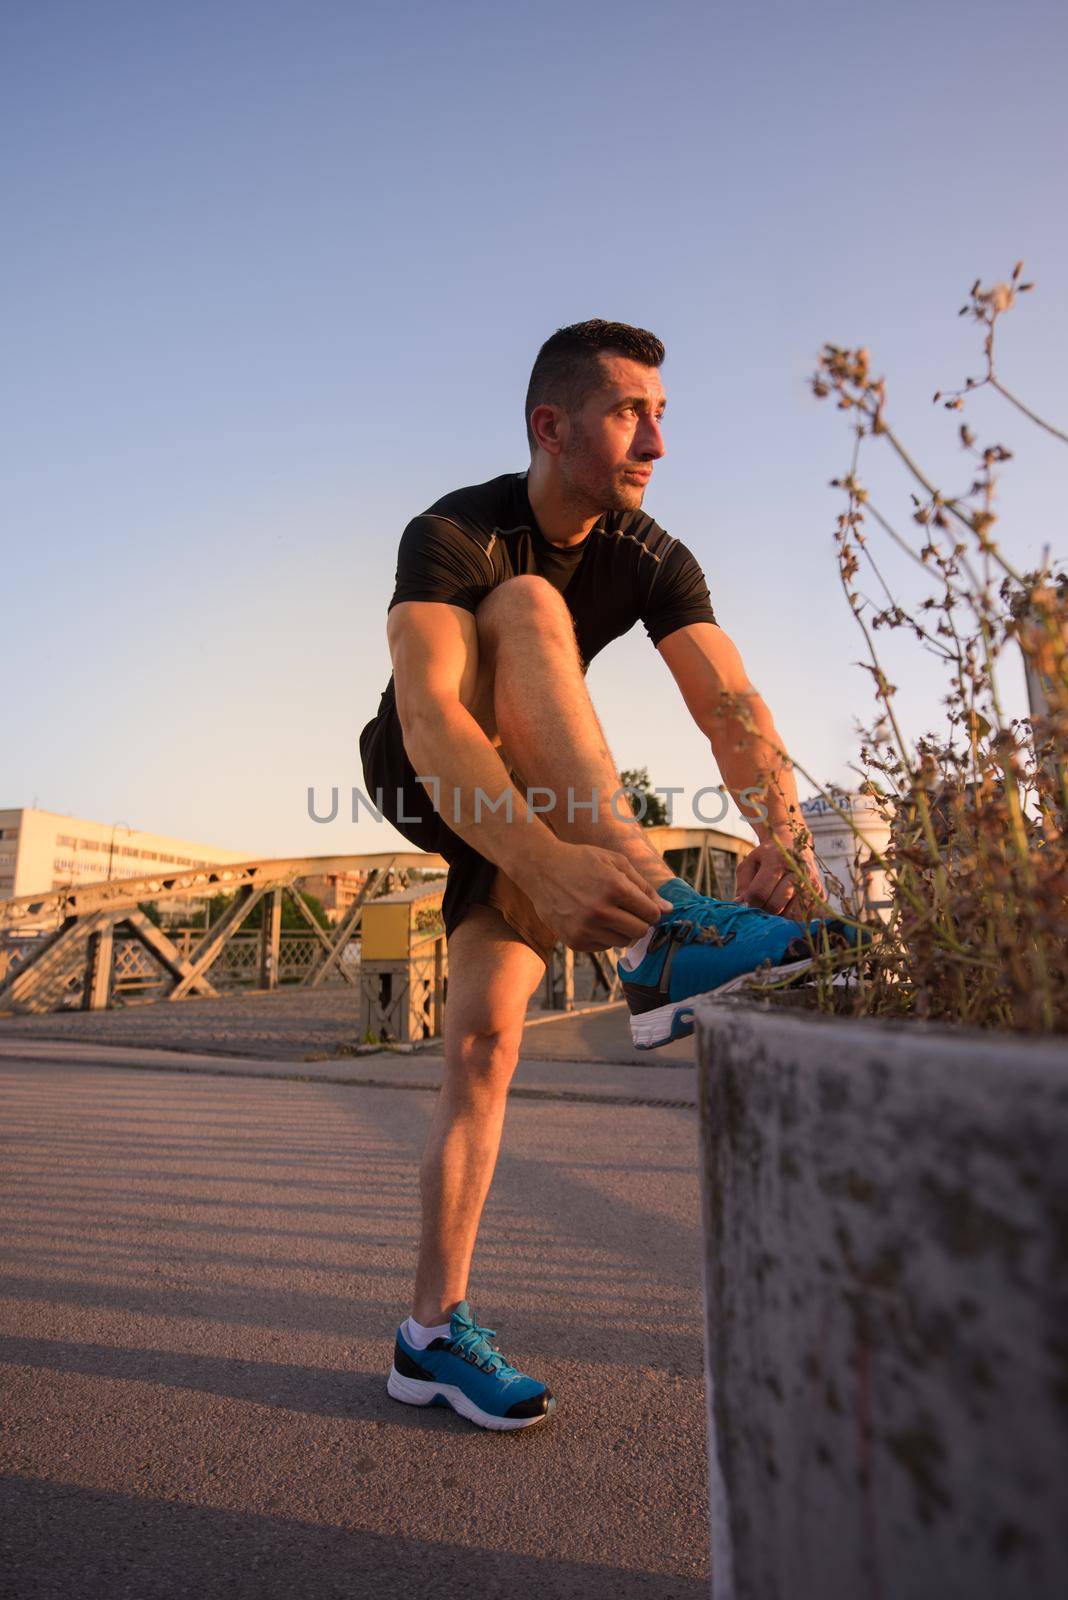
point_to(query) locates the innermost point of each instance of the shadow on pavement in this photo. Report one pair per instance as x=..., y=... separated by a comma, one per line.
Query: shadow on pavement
x=311, y=1390
x=83, y=1544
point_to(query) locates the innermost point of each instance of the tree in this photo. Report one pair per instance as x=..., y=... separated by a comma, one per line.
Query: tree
x=291, y=917
x=637, y=779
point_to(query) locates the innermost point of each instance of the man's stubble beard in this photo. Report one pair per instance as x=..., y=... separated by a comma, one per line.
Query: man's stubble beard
x=589, y=489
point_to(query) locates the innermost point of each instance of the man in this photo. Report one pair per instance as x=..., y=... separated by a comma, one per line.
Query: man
x=504, y=594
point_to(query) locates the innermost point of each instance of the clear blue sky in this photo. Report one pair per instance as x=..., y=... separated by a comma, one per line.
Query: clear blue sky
x=274, y=278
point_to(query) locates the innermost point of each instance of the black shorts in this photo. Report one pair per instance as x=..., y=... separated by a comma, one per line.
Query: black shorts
x=472, y=879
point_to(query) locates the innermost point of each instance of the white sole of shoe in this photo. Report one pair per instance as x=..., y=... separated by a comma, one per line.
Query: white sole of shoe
x=418, y=1392
x=651, y=1028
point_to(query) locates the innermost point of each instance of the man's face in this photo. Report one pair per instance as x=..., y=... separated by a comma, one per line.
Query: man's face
x=614, y=439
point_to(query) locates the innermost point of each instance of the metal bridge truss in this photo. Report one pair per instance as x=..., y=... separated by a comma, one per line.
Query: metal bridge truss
x=83, y=955
x=100, y=935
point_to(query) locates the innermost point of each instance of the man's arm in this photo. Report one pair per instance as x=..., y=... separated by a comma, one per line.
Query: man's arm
x=434, y=649
x=708, y=669
x=592, y=898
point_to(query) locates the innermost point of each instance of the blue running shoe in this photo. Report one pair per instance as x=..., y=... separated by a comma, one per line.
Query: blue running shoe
x=704, y=947
x=463, y=1370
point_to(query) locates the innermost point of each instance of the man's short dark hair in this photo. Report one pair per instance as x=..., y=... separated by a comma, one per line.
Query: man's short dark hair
x=568, y=369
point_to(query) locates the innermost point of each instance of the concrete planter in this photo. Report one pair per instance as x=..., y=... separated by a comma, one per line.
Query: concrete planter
x=886, y=1230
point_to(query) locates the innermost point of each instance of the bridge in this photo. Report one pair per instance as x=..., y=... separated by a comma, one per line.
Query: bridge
x=95, y=945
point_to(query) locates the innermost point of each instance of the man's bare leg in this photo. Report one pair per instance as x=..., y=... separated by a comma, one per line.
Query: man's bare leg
x=492, y=975
x=531, y=688
x=549, y=731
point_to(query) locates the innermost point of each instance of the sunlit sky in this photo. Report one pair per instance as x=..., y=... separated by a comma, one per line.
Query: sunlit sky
x=275, y=275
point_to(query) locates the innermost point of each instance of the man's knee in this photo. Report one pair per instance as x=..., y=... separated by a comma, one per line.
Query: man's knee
x=487, y=1025
x=494, y=973
x=480, y=1062
x=523, y=598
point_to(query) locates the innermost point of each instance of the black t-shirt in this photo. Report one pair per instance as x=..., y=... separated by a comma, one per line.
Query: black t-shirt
x=627, y=568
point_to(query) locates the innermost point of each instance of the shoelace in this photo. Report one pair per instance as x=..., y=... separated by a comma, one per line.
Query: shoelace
x=717, y=924
x=713, y=924
x=475, y=1340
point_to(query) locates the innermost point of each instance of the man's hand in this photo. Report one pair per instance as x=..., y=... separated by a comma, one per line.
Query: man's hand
x=592, y=898
x=766, y=880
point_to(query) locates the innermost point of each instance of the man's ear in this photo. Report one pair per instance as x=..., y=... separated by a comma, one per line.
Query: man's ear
x=549, y=426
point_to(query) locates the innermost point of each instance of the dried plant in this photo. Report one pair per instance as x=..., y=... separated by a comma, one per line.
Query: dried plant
x=978, y=853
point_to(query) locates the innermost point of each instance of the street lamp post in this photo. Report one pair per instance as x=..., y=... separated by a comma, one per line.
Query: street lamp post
x=111, y=845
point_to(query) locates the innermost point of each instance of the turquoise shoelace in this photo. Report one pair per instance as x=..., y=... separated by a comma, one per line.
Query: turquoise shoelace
x=475, y=1340
x=718, y=924
x=709, y=925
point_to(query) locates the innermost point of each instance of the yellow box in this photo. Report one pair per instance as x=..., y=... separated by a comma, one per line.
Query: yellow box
x=389, y=927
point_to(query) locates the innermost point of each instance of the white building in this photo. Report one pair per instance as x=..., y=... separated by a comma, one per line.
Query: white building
x=846, y=851
x=41, y=851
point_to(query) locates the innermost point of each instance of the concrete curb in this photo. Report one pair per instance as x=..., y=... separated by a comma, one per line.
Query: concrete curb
x=885, y=1214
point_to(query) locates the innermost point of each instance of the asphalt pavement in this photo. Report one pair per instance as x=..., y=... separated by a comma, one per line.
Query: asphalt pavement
x=205, y=1261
